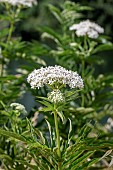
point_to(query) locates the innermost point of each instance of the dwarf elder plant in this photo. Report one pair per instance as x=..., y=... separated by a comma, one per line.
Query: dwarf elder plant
x=37, y=151
x=56, y=78
x=78, y=44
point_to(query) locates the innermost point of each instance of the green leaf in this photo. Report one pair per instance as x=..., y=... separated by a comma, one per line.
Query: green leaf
x=88, y=164
x=71, y=150
x=43, y=98
x=48, y=155
x=12, y=134
x=37, y=145
x=9, y=77
x=85, y=130
x=39, y=133
x=28, y=164
x=72, y=158
x=103, y=47
x=49, y=126
x=61, y=115
x=46, y=103
x=85, y=8
x=50, y=33
x=38, y=60
x=70, y=130
x=56, y=12
x=46, y=109
x=80, y=160
x=4, y=156
x=4, y=106
x=71, y=93
x=83, y=110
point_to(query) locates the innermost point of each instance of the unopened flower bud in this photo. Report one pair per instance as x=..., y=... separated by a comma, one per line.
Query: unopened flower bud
x=56, y=97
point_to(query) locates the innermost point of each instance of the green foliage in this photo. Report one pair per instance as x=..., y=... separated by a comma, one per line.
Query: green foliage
x=35, y=148
x=82, y=54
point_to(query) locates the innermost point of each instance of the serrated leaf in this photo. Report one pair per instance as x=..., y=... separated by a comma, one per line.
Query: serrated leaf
x=80, y=160
x=61, y=115
x=48, y=155
x=50, y=33
x=38, y=60
x=85, y=131
x=70, y=130
x=12, y=134
x=43, y=98
x=49, y=126
x=103, y=47
x=88, y=164
x=37, y=145
x=72, y=158
x=4, y=106
x=39, y=133
x=85, y=8
x=28, y=164
x=4, y=156
x=46, y=103
x=56, y=12
x=4, y=32
x=46, y=109
x=71, y=93
x=9, y=77
x=71, y=150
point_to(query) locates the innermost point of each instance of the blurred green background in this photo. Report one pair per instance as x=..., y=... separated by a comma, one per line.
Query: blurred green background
x=40, y=15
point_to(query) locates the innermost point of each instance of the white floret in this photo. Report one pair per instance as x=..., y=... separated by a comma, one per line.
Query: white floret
x=56, y=96
x=88, y=28
x=18, y=107
x=27, y=3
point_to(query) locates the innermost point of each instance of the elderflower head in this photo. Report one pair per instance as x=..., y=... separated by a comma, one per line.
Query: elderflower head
x=27, y=3
x=54, y=75
x=18, y=107
x=56, y=96
x=91, y=29
x=109, y=124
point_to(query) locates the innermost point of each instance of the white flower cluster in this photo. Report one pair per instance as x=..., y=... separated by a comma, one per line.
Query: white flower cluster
x=56, y=96
x=88, y=28
x=109, y=124
x=27, y=3
x=54, y=75
x=18, y=107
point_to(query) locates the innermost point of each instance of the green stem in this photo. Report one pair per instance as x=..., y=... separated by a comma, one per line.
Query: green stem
x=2, y=62
x=83, y=67
x=85, y=43
x=1, y=73
x=10, y=31
x=57, y=138
x=57, y=133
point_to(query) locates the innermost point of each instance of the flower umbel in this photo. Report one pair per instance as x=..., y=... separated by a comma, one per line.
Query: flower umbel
x=56, y=97
x=91, y=29
x=18, y=107
x=27, y=3
x=54, y=76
